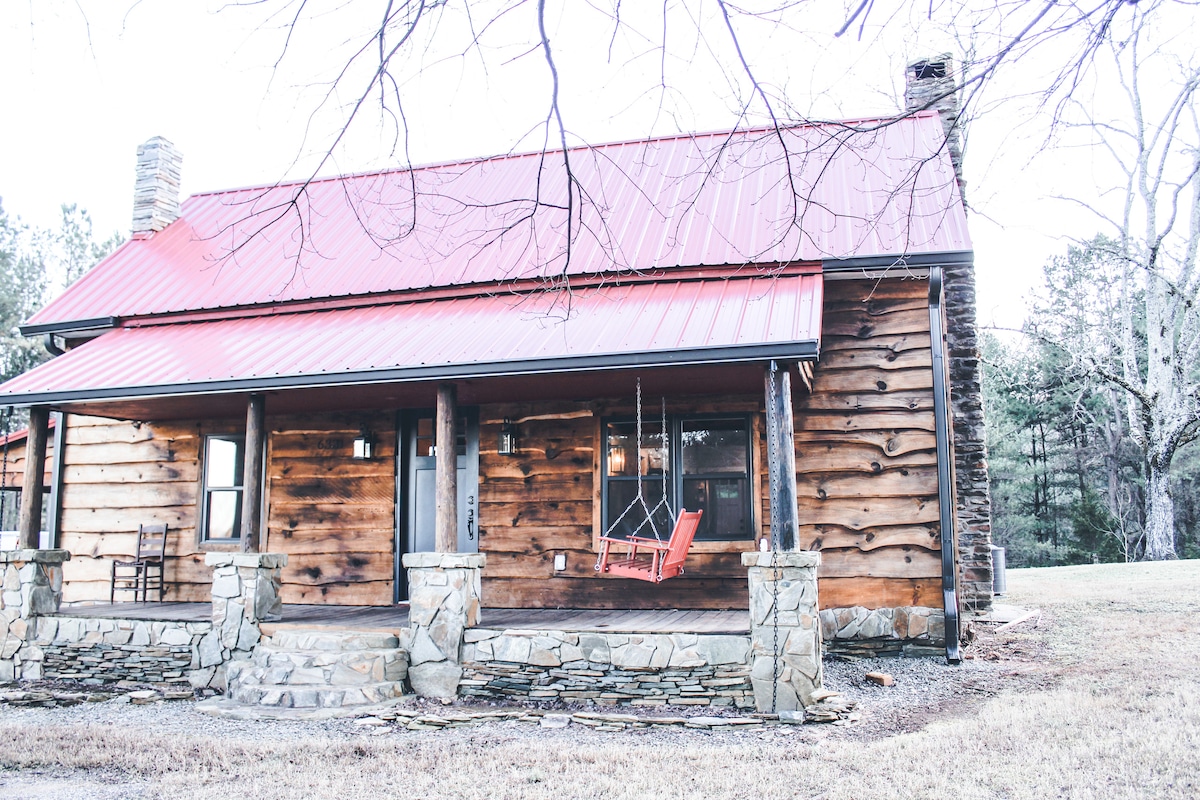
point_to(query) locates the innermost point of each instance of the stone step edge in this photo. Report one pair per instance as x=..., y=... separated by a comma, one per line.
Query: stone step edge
x=269, y=628
x=319, y=689
x=271, y=649
x=229, y=709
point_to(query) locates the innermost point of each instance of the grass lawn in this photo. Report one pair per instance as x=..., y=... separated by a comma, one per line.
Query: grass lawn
x=1098, y=699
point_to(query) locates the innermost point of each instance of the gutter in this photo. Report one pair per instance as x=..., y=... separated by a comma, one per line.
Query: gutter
x=941, y=416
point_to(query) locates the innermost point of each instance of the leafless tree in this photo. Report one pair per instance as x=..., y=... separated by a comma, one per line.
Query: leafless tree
x=1131, y=317
x=401, y=36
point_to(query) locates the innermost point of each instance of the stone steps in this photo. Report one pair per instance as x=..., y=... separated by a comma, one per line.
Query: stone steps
x=319, y=668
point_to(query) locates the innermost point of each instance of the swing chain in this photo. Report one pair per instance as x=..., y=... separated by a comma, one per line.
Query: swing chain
x=773, y=459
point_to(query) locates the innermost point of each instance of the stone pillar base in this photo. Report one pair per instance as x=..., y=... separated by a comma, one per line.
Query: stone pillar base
x=245, y=593
x=443, y=601
x=31, y=584
x=785, y=630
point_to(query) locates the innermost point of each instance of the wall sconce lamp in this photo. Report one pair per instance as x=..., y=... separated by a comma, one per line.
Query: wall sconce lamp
x=364, y=444
x=506, y=443
x=616, y=460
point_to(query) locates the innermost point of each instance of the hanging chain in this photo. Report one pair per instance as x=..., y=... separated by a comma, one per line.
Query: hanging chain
x=773, y=459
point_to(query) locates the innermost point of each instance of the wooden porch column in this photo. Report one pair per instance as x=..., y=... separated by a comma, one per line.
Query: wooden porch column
x=446, y=463
x=30, y=525
x=252, y=475
x=781, y=457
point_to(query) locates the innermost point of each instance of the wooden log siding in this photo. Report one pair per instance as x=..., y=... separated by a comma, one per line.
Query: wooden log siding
x=545, y=500
x=866, y=459
x=333, y=515
x=117, y=475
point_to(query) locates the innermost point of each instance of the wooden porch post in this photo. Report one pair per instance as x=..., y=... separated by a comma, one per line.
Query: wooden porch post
x=252, y=475
x=781, y=457
x=446, y=518
x=30, y=525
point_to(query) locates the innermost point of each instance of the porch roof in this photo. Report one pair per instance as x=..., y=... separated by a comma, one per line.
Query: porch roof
x=654, y=324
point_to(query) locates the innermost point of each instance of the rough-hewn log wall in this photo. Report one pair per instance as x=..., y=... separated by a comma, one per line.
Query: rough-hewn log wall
x=544, y=500
x=334, y=516
x=117, y=475
x=866, y=458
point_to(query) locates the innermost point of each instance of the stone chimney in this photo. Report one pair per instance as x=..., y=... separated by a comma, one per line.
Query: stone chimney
x=929, y=84
x=156, y=190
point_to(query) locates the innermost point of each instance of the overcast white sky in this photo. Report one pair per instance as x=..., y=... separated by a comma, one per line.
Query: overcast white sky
x=85, y=83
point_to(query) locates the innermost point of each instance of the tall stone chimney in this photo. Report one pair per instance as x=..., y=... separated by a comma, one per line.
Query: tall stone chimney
x=156, y=190
x=930, y=83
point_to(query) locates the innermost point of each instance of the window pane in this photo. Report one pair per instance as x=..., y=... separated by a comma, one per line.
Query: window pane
x=621, y=494
x=224, y=514
x=223, y=463
x=427, y=437
x=725, y=503
x=713, y=447
x=624, y=456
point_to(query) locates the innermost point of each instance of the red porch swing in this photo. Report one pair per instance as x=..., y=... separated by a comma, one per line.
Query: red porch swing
x=649, y=559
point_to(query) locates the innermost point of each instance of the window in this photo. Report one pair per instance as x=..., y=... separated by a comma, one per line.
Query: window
x=706, y=468
x=224, y=459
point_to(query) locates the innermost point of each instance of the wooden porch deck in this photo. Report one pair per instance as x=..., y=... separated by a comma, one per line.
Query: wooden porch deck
x=392, y=617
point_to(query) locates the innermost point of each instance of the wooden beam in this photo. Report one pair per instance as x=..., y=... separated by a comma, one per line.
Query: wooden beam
x=781, y=456
x=30, y=525
x=446, y=463
x=252, y=476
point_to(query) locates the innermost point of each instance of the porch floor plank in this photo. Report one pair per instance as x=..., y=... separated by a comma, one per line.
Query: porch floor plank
x=571, y=620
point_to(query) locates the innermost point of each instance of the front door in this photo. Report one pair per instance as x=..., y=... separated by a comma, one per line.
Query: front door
x=418, y=445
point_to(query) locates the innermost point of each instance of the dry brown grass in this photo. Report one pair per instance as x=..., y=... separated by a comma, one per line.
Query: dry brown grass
x=1100, y=700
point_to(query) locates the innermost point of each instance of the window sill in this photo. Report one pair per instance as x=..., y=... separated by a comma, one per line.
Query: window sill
x=222, y=546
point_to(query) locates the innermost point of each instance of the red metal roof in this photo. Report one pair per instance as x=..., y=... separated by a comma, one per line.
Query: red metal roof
x=759, y=197
x=644, y=324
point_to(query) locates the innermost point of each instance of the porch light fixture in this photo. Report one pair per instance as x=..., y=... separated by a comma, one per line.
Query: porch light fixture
x=616, y=460
x=364, y=445
x=506, y=443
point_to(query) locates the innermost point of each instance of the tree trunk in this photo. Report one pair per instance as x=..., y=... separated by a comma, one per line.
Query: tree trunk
x=1160, y=514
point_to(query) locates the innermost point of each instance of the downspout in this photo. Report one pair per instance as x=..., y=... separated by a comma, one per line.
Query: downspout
x=51, y=346
x=941, y=417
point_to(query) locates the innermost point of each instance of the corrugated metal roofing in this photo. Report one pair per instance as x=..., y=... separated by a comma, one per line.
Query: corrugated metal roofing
x=675, y=322
x=757, y=197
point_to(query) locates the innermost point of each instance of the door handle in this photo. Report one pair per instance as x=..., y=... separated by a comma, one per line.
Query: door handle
x=471, y=517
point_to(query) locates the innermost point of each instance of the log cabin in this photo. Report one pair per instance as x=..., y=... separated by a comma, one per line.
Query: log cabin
x=774, y=327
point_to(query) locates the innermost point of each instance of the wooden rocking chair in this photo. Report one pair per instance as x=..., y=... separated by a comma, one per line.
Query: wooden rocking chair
x=146, y=571
x=658, y=560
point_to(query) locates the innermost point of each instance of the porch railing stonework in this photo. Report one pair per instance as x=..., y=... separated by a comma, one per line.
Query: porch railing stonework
x=905, y=630
x=679, y=669
x=245, y=593
x=31, y=587
x=444, y=591
x=785, y=632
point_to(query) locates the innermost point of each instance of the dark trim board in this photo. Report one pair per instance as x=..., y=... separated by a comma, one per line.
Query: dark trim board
x=80, y=325
x=804, y=350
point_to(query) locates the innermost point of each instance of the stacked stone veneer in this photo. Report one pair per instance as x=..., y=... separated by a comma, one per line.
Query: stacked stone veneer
x=785, y=634
x=305, y=668
x=908, y=630
x=608, y=668
x=98, y=651
x=444, y=591
x=245, y=593
x=31, y=586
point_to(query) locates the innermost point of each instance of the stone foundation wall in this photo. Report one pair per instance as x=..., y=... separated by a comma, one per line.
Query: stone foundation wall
x=608, y=668
x=98, y=651
x=908, y=630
